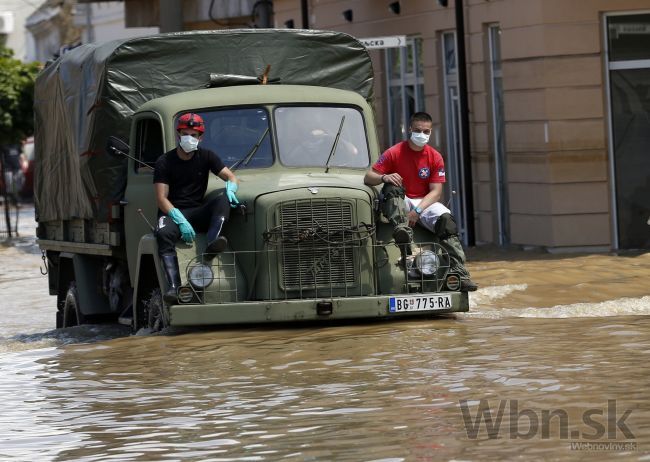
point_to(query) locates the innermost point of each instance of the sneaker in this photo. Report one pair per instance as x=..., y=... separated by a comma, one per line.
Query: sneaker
x=217, y=246
x=401, y=235
x=467, y=285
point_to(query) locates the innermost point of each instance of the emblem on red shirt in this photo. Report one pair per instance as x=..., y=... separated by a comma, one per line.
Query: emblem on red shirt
x=424, y=173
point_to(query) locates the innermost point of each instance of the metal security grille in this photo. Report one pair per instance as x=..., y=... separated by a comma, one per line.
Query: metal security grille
x=317, y=243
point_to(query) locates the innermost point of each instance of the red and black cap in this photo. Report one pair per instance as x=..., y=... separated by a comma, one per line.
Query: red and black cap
x=191, y=120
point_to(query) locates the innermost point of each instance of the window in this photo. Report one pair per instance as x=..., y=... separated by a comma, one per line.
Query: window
x=498, y=129
x=629, y=37
x=239, y=136
x=149, y=144
x=316, y=136
x=454, y=187
x=405, y=79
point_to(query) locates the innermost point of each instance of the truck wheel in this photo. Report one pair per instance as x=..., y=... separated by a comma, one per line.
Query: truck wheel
x=72, y=315
x=155, y=316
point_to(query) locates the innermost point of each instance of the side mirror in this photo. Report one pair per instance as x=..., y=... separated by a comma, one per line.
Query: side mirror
x=116, y=147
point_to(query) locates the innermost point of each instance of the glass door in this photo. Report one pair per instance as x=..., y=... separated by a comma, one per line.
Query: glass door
x=498, y=135
x=454, y=188
x=405, y=79
x=628, y=51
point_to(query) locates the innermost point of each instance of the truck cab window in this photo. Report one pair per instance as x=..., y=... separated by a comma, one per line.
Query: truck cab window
x=307, y=135
x=149, y=143
x=240, y=136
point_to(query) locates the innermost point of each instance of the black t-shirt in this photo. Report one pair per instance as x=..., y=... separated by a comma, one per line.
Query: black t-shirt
x=187, y=179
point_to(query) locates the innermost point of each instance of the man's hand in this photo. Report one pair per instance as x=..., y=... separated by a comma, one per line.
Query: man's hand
x=413, y=218
x=231, y=189
x=187, y=232
x=392, y=178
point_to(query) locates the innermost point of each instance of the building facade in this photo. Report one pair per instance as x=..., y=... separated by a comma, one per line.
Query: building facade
x=51, y=30
x=58, y=25
x=104, y=21
x=13, y=14
x=557, y=94
x=559, y=105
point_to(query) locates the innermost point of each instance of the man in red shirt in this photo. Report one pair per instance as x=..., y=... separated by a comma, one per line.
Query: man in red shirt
x=413, y=173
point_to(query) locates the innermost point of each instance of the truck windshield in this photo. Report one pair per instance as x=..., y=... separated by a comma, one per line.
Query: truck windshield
x=239, y=136
x=307, y=135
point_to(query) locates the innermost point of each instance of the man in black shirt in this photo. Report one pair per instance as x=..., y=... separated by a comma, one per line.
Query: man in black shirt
x=180, y=182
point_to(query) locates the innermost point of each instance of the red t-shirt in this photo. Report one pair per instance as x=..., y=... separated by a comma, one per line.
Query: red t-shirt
x=417, y=168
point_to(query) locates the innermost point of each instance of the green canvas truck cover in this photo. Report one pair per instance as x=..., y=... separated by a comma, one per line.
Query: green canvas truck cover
x=91, y=92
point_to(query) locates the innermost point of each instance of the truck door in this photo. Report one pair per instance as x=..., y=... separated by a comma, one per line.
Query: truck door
x=146, y=145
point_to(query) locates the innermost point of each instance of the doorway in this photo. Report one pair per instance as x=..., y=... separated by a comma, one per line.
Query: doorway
x=628, y=76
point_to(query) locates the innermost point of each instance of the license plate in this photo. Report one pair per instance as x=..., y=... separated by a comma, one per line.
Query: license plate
x=419, y=303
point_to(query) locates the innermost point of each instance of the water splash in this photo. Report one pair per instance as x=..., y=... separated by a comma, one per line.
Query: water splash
x=618, y=307
x=486, y=295
x=66, y=336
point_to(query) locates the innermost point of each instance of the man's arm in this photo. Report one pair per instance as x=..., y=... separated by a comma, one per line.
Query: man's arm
x=232, y=185
x=434, y=195
x=227, y=175
x=373, y=178
x=162, y=191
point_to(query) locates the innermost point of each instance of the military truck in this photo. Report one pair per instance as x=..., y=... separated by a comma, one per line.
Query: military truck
x=290, y=112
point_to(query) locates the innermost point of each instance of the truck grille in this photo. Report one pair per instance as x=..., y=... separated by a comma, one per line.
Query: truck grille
x=318, y=243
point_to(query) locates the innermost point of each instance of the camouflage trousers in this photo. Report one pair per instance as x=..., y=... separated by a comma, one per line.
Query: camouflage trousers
x=395, y=208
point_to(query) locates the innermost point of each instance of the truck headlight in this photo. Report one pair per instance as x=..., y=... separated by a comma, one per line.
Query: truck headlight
x=427, y=263
x=200, y=276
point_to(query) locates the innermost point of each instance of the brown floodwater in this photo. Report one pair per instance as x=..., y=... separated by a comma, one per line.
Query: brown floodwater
x=553, y=354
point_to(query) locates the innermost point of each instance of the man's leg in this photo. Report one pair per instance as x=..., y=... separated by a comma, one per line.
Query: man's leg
x=167, y=234
x=394, y=209
x=212, y=216
x=446, y=231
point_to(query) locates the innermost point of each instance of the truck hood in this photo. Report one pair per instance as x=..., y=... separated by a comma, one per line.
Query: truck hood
x=255, y=184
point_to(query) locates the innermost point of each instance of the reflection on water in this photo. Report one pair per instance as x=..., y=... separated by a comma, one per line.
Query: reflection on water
x=545, y=333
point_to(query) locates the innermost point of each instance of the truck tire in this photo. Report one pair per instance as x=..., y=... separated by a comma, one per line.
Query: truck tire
x=156, y=317
x=72, y=315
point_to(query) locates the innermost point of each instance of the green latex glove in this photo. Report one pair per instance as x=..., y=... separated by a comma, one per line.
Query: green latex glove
x=231, y=189
x=187, y=232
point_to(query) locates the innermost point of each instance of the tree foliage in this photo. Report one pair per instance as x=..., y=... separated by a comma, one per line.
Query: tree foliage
x=16, y=97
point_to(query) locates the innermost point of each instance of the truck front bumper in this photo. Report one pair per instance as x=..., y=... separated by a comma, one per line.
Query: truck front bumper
x=368, y=307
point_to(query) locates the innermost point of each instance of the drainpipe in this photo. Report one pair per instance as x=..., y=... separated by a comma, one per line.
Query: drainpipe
x=464, y=123
x=305, y=14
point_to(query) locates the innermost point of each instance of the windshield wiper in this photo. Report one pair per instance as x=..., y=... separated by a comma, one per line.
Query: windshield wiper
x=251, y=153
x=336, y=142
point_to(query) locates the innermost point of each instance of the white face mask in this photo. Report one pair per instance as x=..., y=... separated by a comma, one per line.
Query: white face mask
x=419, y=139
x=189, y=143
